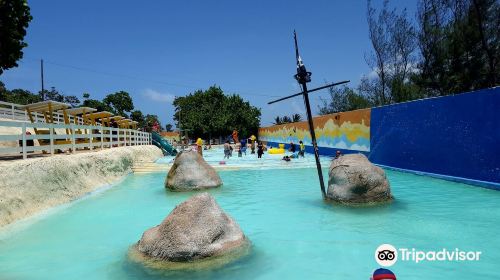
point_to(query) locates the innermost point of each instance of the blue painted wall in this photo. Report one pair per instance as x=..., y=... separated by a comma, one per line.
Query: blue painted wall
x=455, y=135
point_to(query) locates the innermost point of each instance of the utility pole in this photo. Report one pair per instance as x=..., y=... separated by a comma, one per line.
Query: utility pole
x=303, y=77
x=41, y=74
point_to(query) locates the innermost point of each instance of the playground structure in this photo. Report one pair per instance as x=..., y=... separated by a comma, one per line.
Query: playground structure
x=161, y=143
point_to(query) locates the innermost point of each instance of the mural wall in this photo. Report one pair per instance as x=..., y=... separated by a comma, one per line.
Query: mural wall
x=346, y=131
x=455, y=136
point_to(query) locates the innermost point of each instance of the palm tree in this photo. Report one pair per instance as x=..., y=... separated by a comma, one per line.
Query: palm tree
x=296, y=118
x=278, y=120
x=286, y=119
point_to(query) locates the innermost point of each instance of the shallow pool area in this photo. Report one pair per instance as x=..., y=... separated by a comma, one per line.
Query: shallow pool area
x=215, y=157
x=294, y=233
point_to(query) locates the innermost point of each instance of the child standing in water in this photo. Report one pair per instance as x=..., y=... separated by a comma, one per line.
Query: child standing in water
x=227, y=150
x=302, y=148
x=260, y=149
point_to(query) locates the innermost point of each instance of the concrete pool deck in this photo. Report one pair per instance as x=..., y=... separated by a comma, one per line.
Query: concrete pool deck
x=30, y=186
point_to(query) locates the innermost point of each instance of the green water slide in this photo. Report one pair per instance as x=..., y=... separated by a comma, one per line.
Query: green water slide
x=163, y=145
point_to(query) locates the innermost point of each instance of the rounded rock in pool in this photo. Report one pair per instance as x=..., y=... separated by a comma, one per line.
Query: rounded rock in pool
x=196, y=234
x=354, y=179
x=191, y=172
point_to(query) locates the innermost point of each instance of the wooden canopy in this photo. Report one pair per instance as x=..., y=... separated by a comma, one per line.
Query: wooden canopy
x=47, y=108
x=92, y=118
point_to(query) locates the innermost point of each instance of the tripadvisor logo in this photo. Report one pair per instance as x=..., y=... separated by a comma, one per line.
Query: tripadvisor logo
x=387, y=255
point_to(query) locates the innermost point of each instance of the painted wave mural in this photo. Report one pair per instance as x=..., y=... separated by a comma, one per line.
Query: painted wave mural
x=346, y=130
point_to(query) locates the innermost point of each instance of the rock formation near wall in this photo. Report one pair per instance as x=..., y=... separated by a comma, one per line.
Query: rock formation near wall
x=36, y=184
x=354, y=179
x=196, y=230
x=191, y=172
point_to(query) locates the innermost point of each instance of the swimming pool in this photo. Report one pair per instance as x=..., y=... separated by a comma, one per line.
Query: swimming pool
x=294, y=234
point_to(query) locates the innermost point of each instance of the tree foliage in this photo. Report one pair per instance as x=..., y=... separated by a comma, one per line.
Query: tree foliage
x=211, y=112
x=169, y=127
x=138, y=117
x=120, y=103
x=286, y=119
x=23, y=97
x=17, y=96
x=150, y=121
x=460, y=45
x=453, y=47
x=343, y=99
x=14, y=20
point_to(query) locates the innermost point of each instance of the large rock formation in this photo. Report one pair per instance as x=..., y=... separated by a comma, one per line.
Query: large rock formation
x=191, y=172
x=354, y=179
x=196, y=230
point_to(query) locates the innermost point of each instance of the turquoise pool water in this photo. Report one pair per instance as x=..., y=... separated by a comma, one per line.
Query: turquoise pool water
x=295, y=235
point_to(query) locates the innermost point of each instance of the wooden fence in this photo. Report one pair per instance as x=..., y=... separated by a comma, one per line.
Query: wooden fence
x=64, y=137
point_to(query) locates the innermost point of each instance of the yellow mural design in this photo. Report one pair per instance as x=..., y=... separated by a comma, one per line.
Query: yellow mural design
x=346, y=130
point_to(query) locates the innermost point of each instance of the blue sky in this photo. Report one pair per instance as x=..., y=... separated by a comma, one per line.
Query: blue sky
x=156, y=50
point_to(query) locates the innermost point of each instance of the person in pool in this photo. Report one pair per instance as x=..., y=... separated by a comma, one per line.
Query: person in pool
x=260, y=149
x=243, y=146
x=302, y=149
x=292, y=147
x=199, y=144
x=338, y=154
x=286, y=158
x=227, y=149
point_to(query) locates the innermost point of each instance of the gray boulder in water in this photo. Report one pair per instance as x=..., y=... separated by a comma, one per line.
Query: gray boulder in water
x=354, y=179
x=196, y=229
x=191, y=172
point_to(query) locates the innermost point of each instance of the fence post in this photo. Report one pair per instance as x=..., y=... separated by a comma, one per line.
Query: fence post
x=118, y=133
x=12, y=110
x=102, y=137
x=91, y=142
x=24, y=141
x=51, y=131
x=73, y=141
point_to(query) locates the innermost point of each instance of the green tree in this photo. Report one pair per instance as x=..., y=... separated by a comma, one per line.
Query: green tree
x=96, y=104
x=459, y=42
x=210, y=112
x=120, y=103
x=52, y=94
x=72, y=100
x=17, y=96
x=343, y=99
x=286, y=119
x=277, y=120
x=14, y=20
x=151, y=119
x=296, y=118
x=3, y=92
x=168, y=127
x=138, y=117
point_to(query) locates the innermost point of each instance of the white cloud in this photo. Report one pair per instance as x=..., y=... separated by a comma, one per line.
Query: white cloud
x=158, y=96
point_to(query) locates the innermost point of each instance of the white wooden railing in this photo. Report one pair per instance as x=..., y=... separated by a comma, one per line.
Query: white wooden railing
x=76, y=136
x=16, y=112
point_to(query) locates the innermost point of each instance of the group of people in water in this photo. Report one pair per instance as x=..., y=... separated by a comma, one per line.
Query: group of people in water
x=242, y=146
x=255, y=146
